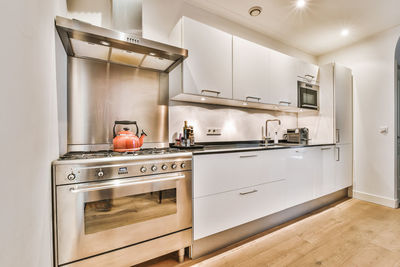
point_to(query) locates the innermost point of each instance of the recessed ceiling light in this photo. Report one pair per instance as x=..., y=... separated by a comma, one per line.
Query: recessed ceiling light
x=105, y=43
x=344, y=32
x=300, y=3
x=255, y=11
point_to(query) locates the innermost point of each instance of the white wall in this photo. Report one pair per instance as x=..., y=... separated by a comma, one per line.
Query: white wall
x=28, y=115
x=237, y=124
x=373, y=65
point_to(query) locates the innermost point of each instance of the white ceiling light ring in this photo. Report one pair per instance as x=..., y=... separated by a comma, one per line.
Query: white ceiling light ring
x=300, y=3
x=255, y=11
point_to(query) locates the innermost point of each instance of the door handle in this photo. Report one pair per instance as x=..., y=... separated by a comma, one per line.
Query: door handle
x=249, y=192
x=211, y=91
x=338, y=154
x=248, y=156
x=326, y=148
x=125, y=182
x=285, y=102
x=253, y=97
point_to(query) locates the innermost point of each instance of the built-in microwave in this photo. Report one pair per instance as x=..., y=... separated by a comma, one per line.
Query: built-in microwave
x=308, y=95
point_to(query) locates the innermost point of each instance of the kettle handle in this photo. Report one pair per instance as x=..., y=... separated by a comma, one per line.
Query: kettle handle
x=125, y=123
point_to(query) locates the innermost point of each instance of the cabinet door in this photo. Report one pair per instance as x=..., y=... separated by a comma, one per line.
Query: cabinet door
x=209, y=65
x=282, y=81
x=307, y=71
x=325, y=180
x=304, y=165
x=343, y=104
x=343, y=166
x=250, y=69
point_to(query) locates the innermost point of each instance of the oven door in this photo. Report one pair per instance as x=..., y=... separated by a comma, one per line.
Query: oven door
x=308, y=98
x=93, y=218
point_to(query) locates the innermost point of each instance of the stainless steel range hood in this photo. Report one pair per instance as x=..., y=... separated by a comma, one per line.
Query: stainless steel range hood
x=83, y=40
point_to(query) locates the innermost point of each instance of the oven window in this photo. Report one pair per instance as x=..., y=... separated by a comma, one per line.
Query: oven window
x=309, y=97
x=113, y=213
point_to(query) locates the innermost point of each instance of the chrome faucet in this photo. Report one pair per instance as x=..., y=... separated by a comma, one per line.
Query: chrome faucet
x=266, y=129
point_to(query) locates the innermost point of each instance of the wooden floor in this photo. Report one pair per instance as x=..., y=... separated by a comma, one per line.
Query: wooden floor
x=348, y=233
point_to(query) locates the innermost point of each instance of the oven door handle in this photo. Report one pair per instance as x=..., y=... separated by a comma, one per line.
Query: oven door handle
x=128, y=182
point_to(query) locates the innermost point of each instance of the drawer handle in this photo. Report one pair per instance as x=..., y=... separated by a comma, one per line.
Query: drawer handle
x=326, y=148
x=248, y=156
x=250, y=192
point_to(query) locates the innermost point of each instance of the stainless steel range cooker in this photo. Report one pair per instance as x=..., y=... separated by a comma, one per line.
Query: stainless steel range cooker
x=120, y=209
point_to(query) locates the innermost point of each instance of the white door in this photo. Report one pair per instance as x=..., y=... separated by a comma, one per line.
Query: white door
x=325, y=180
x=343, y=105
x=282, y=81
x=250, y=69
x=343, y=166
x=307, y=72
x=208, y=68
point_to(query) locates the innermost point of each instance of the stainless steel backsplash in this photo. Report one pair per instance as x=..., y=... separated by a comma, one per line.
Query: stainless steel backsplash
x=100, y=93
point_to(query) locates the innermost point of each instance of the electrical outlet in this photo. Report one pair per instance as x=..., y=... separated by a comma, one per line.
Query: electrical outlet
x=213, y=131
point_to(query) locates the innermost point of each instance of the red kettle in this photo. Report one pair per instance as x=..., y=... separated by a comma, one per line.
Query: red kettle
x=126, y=140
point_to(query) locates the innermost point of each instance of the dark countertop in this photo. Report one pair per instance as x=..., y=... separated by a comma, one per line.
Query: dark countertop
x=230, y=147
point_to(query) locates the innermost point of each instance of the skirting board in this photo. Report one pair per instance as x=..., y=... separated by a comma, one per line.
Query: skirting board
x=228, y=237
x=388, y=202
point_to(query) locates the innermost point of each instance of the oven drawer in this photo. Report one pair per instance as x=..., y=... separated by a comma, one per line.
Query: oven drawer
x=93, y=218
x=216, y=213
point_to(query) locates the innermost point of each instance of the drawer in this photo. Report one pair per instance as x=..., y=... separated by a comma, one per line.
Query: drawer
x=217, y=173
x=219, y=212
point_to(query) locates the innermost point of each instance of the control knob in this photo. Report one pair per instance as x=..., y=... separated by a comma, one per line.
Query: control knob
x=71, y=176
x=164, y=167
x=143, y=169
x=153, y=168
x=183, y=165
x=100, y=173
x=173, y=166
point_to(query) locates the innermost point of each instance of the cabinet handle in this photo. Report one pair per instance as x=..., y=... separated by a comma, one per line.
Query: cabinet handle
x=248, y=156
x=253, y=97
x=250, y=192
x=211, y=91
x=338, y=154
x=308, y=75
x=285, y=102
x=326, y=148
x=337, y=135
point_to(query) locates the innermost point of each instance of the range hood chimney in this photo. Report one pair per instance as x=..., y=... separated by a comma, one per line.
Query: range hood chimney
x=127, y=16
x=122, y=45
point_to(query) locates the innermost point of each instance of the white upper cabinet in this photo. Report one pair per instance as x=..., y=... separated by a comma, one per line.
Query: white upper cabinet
x=282, y=80
x=208, y=68
x=343, y=82
x=307, y=71
x=250, y=71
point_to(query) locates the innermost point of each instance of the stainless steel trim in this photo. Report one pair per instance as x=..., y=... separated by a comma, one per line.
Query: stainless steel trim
x=253, y=97
x=125, y=182
x=308, y=106
x=211, y=91
x=249, y=192
x=248, y=156
x=75, y=29
x=337, y=135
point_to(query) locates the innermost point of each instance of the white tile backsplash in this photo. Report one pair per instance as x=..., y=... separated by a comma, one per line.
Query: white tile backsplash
x=236, y=124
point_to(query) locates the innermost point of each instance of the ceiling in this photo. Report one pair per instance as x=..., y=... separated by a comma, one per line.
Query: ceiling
x=315, y=29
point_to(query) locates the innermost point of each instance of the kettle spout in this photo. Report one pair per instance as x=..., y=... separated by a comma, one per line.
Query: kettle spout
x=142, y=138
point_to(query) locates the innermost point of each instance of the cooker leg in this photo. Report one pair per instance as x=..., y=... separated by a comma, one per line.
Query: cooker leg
x=181, y=255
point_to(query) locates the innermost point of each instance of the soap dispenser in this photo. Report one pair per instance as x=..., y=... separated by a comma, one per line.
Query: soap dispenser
x=276, y=138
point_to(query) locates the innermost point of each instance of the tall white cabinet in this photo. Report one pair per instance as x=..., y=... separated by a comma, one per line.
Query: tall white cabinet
x=343, y=110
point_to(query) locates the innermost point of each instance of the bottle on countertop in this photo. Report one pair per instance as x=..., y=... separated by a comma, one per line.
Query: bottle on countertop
x=276, y=138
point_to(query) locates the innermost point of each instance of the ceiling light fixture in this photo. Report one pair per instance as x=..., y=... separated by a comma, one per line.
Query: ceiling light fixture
x=300, y=3
x=344, y=32
x=255, y=11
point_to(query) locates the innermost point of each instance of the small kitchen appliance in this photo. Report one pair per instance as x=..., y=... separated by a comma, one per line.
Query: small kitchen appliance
x=126, y=140
x=308, y=95
x=298, y=136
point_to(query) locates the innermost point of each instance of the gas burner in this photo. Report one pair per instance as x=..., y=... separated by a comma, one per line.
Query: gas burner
x=110, y=153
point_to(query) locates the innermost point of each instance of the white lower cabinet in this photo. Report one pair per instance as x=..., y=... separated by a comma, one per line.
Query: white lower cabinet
x=325, y=182
x=219, y=212
x=343, y=166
